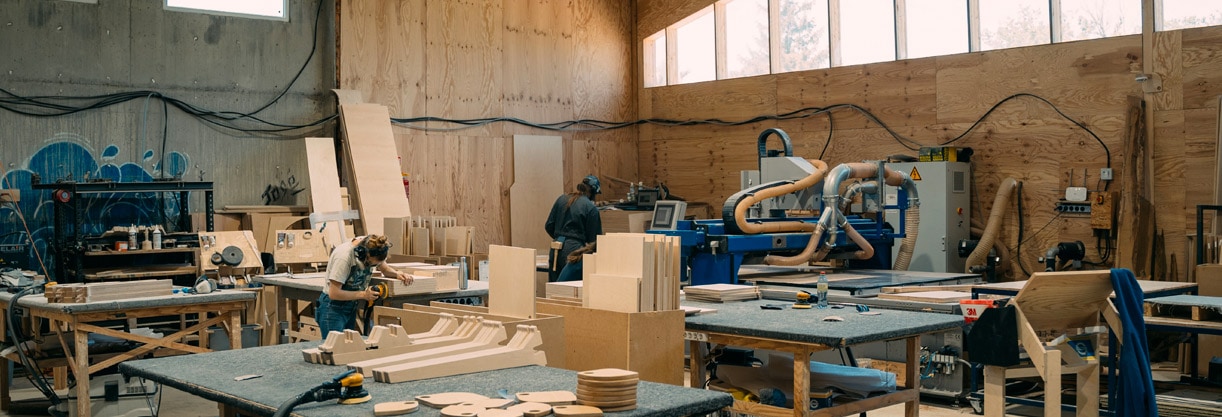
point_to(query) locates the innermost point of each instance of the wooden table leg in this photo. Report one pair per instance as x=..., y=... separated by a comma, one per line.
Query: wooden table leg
x=696, y=363
x=1052, y=383
x=81, y=372
x=801, y=382
x=5, y=399
x=994, y=391
x=913, y=375
x=1088, y=391
x=235, y=326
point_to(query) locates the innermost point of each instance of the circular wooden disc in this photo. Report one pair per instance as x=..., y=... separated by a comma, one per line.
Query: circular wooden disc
x=607, y=374
x=462, y=410
x=531, y=409
x=609, y=404
x=606, y=398
x=607, y=385
x=603, y=391
x=496, y=412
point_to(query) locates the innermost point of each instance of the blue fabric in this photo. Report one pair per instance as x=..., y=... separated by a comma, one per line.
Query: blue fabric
x=1135, y=394
x=571, y=272
x=337, y=316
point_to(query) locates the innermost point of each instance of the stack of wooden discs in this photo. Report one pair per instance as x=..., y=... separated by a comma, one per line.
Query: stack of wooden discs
x=609, y=389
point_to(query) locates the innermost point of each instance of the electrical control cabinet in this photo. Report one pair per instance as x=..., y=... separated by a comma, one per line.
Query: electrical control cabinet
x=945, y=194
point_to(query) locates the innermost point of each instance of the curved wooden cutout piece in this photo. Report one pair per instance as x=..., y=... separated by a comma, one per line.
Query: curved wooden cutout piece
x=496, y=412
x=395, y=408
x=577, y=411
x=491, y=334
x=531, y=409
x=462, y=410
x=608, y=374
x=446, y=399
x=520, y=351
x=548, y=397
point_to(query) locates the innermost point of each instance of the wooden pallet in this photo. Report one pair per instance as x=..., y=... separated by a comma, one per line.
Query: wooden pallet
x=1194, y=313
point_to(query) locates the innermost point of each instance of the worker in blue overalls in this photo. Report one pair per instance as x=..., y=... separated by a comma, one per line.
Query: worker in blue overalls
x=572, y=223
x=347, y=288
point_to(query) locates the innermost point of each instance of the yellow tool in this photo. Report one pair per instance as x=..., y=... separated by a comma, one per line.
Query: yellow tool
x=383, y=292
x=803, y=300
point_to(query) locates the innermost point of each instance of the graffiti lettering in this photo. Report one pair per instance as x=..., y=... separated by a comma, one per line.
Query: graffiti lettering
x=283, y=193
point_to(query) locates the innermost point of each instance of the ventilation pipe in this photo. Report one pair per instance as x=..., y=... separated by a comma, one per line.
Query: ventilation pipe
x=851, y=192
x=1001, y=203
x=741, y=207
x=831, y=193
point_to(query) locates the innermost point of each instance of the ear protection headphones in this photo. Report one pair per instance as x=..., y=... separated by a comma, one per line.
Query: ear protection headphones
x=362, y=252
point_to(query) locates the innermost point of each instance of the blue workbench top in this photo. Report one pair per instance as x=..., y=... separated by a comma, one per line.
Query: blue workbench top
x=285, y=374
x=746, y=318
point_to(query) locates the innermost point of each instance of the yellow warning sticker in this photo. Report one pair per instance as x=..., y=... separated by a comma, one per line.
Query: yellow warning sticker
x=916, y=176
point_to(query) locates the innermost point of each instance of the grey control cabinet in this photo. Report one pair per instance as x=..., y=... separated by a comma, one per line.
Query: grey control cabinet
x=945, y=193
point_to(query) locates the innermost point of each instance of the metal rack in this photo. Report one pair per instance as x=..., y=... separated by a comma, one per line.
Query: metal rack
x=69, y=215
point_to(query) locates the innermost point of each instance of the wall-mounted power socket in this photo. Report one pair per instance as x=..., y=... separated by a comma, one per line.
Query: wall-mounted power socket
x=1105, y=174
x=1075, y=194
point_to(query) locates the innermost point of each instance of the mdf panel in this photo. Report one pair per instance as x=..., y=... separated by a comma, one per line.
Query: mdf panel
x=464, y=65
x=382, y=53
x=538, y=51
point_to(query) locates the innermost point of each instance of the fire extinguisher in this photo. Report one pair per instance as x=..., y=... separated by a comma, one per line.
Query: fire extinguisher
x=406, y=187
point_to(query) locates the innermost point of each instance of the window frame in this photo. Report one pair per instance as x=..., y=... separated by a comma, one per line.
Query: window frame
x=165, y=5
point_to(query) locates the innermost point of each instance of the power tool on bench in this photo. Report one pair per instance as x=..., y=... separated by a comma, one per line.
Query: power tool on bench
x=346, y=387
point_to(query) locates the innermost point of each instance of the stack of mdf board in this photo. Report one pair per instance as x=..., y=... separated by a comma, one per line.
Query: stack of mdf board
x=719, y=293
x=108, y=291
x=419, y=285
x=633, y=272
x=446, y=276
x=565, y=290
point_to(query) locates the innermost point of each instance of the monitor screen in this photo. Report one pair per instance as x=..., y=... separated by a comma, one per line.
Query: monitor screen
x=667, y=213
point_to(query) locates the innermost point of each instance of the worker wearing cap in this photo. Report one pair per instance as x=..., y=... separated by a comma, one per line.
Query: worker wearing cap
x=572, y=223
x=347, y=288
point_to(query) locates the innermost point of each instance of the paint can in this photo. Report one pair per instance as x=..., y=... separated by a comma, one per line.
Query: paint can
x=121, y=246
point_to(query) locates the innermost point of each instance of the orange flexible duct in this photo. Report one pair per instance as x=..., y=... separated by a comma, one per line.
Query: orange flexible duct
x=740, y=210
x=808, y=252
x=1001, y=202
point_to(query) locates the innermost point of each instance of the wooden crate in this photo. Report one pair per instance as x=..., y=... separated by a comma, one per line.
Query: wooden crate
x=650, y=343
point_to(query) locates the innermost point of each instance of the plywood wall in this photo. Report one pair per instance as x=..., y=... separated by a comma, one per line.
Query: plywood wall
x=538, y=60
x=933, y=100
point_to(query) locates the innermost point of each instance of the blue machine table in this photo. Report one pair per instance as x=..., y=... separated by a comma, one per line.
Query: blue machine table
x=855, y=282
x=803, y=332
x=293, y=290
x=285, y=375
x=73, y=323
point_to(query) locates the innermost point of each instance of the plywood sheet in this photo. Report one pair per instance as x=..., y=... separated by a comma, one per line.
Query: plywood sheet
x=511, y=286
x=537, y=181
x=324, y=184
x=378, y=180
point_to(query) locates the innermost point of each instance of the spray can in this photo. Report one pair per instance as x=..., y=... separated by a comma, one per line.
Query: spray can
x=131, y=238
x=156, y=237
x=821, y=287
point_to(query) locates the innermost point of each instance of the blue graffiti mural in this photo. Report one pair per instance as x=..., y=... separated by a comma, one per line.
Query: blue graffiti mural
x=66, y=158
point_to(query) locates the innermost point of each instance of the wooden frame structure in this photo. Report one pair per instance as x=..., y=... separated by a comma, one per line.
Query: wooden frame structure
x=1053, y=302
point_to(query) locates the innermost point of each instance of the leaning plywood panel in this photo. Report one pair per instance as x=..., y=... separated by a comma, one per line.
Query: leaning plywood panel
x=538, y=178
x=511, y=276
x=324, y=184
x=375, y=165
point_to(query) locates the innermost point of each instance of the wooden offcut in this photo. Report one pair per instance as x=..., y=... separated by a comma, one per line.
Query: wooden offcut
x=377, y=177
x=511, y=287
x=324, y=185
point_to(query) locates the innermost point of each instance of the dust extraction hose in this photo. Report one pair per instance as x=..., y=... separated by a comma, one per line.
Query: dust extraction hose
x=740, y=210
x=831, y=192
x=1000, y=205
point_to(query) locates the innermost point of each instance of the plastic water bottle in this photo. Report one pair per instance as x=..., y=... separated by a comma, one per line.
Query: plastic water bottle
x=821, y=287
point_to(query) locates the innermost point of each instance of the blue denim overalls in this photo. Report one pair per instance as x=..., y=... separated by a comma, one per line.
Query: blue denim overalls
x=339, y=315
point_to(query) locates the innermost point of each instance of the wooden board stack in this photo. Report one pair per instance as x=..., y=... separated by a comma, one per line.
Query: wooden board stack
x=108, y=291
x=633, y=272
x=565, y=290
x=608, y=389
x=720, y=293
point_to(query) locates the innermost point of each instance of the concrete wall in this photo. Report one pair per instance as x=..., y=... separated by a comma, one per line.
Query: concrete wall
x=220, y=63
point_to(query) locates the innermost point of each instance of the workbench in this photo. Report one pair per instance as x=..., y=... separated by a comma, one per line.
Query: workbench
x=803, y=332
x=1150, y=289
x=856, y=282
x=72, y=324
x=291, y=291
x=284, y=375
